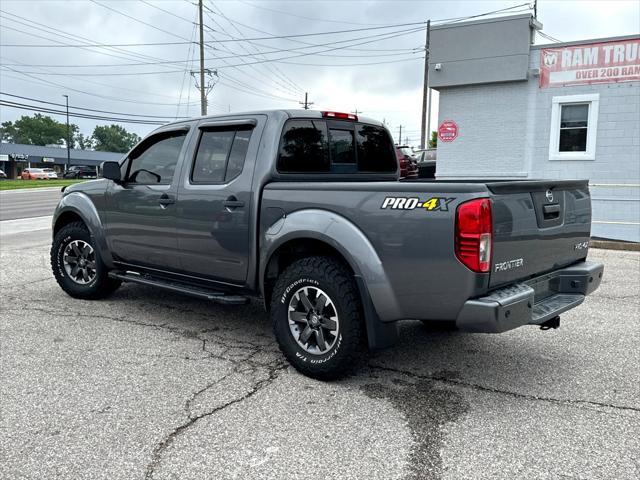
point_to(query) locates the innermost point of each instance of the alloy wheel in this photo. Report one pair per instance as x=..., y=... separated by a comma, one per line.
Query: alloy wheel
x=79, y=262
x=313, y=320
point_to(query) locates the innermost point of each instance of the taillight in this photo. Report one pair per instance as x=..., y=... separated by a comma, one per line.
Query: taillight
x=473, y=234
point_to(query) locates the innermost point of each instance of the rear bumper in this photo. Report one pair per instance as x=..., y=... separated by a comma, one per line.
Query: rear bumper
x=532, y=302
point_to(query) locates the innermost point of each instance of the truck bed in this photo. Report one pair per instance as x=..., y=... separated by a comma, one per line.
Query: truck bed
x=414, y=239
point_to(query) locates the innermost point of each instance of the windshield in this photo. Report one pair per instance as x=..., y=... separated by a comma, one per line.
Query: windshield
x=406, y=151
x=35, y=170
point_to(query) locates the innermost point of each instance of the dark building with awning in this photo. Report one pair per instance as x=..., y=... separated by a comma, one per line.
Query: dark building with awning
x=14, y=157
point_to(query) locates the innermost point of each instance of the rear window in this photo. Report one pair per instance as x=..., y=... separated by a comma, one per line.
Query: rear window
x=375, y=150
x=304, y=147
x=308, y=146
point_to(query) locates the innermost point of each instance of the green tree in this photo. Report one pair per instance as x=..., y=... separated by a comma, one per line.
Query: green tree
x=82, y=142
x=113, y=138
x=433, y=141
x=36, y=130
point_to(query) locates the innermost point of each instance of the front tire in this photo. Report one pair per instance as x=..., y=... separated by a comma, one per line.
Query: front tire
x=77, y=266
x=317, y=318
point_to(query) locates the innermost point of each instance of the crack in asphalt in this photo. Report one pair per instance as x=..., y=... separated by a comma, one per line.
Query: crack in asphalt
x=160, y=448
x=525, y=396
x=245, y=365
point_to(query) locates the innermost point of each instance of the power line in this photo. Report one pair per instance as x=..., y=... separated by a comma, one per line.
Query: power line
x=272, y=68
x=277, y=84
x=164, y=117
x=255, y=62
x=35, y=108
x=316, y=19
x=173, y=14
x=549, y=37
x=414, y=50
x=138, y=20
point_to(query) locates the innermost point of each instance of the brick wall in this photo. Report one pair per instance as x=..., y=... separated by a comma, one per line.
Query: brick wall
x=504, y=131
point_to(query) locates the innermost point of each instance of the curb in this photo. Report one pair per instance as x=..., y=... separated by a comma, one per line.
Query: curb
x=614, y=245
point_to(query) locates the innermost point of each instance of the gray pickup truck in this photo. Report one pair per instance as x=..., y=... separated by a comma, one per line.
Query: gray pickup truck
x=304, y=209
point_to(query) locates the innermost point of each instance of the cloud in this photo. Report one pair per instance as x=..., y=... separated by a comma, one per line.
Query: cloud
x=388, y=90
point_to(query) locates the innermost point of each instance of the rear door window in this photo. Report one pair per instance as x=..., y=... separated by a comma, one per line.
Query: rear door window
x=221, y=154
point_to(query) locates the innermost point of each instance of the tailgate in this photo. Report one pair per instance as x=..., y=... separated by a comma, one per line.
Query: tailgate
x=538, y=226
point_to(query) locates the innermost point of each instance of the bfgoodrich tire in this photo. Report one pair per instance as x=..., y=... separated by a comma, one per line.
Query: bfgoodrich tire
x=77, y=266
x=317, y=318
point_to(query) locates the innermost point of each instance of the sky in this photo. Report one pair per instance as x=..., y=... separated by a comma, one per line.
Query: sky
x=379, y=73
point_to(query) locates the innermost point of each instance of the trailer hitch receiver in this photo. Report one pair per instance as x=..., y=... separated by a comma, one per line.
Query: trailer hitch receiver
x=551, y=323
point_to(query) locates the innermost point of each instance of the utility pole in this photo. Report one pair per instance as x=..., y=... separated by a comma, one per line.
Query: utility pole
x=400, y=135
x=535, y=9
x=306, y=104
x=356, y=111
x=203, y=95
x=68, y=139
x=425, y=86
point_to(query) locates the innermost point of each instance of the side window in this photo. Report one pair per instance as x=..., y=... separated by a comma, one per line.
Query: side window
x=304, y=147
x=574, y=126
x=155, y=161
x=375, y=150
x=221, y=155
x=238, y=154
x=342, y=146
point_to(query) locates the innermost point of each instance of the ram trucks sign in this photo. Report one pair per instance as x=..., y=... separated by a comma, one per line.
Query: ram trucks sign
x=607, y=62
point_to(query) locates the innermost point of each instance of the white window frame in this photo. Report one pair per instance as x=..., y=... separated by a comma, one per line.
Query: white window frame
x=593, y=100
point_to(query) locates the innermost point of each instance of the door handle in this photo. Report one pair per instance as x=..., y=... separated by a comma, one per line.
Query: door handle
x=233, y=203
x=166, y=200
x=551, y=211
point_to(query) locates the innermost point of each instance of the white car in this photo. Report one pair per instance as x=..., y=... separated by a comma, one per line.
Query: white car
x=51, y=173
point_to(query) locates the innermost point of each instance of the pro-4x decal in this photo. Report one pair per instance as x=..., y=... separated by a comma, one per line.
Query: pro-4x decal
x=439, y=204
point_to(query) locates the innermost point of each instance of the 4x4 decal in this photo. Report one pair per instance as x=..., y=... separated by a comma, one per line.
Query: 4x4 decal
x=440, y=204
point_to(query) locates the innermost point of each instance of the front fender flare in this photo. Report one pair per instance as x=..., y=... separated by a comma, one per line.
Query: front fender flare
x=346, y=238
x=81, y=205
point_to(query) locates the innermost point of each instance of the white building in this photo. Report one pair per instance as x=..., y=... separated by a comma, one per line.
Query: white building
x=559, y=111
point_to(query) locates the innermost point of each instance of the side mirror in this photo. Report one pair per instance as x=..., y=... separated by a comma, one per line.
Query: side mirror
x=111, y=171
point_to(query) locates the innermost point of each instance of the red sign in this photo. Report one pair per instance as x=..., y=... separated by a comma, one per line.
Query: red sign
x=608, y=62
x=448, y=131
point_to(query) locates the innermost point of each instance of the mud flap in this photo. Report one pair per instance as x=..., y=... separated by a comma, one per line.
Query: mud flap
x=379, y=334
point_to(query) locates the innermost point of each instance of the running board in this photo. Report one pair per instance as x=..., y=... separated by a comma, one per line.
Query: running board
x=217, y=297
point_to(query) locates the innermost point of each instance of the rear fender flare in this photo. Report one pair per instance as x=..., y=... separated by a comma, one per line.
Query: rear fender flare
x=348, y=240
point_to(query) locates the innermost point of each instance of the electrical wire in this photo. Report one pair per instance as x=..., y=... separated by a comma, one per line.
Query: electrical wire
x=255, y=62
x=31, y=99
x=35, y=108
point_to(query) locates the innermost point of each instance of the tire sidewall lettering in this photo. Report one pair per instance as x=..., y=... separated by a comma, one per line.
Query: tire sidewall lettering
x=300, y=354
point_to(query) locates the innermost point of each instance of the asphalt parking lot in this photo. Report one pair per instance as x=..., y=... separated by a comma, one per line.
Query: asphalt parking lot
x=153, y=385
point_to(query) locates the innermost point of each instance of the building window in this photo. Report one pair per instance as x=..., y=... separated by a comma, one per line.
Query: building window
x=574, y=123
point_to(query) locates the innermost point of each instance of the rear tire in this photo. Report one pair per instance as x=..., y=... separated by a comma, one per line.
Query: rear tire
x=77, y=266
x=317, y=318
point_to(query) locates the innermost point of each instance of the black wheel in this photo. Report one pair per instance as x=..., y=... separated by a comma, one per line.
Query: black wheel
x=317, y=318
x=77, y=266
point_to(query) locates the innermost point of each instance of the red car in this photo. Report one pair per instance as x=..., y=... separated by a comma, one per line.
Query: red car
x=34, y=174
x=408, y=163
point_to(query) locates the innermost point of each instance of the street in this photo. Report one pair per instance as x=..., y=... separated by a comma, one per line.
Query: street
x=28, y=203
x=148, y=384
